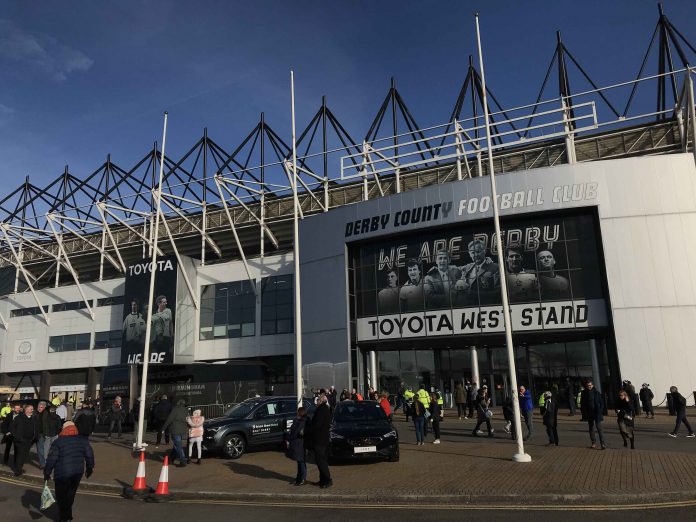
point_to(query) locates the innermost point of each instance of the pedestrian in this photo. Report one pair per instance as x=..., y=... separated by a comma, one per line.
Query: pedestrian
x=40, y=417
x=61, y=409
x=296, y=446
x=177, y=428
x=70, y=457
x=162, y=410
x=471, y=399
x=483, y=414
x=424, y=397
x=460, y=399
x=680, y=407
x=509, y=416
x=646, y=397
x=51, y=426
x=551, y=418
x=592, y=407
x=435, y=417
x=319, y=439
x=625, y=413
x=527, y=410
x=408, y=401
x=116, y=415
x=419, y=418
x=345, y=396
x=384, y=403
x=332, y=397
x=570, y=393
x=85, y=420
x=7, y=437
x=25, y=433
x=5, y=411
x=195, y=433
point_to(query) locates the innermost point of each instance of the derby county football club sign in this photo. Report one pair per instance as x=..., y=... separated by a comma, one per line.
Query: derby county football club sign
x=447, y=282
x=160, y=312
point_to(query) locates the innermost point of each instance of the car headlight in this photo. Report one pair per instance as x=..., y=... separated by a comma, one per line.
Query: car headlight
x=390, y=435
x=336, y=436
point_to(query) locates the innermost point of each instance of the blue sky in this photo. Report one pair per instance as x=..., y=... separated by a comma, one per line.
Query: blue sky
x=83, y=79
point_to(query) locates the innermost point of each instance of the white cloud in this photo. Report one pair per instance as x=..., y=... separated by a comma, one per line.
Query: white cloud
x=40, y=52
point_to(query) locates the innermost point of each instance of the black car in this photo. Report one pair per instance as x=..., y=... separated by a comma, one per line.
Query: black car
x=256, y=422
x=362, y=429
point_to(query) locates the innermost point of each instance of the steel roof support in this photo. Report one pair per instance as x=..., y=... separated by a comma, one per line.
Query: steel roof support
x=50, y=219
x=221, y=182
x=102, y=250
x=105, y=207
x=206, y=238
x=5, y=228
x=105, y=224
x=4, y=322
x=252, y=280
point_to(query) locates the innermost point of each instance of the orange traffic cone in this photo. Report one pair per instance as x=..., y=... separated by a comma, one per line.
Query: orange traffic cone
x=139, y=488
x=162, y=491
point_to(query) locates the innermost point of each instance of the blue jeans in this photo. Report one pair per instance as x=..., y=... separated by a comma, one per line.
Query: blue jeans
x=301, y=471
x=178, y=450
x=419, y=423
x=681, y=417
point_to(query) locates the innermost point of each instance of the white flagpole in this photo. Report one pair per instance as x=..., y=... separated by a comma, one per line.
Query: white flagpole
x=520, y=456
x=296, y=253
x=138, y=445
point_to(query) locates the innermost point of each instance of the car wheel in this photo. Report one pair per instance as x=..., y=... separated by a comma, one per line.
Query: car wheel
x=234, y=446
x=395, y=456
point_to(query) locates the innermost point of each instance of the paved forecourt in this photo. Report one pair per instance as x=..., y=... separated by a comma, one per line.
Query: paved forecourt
x=463, y=469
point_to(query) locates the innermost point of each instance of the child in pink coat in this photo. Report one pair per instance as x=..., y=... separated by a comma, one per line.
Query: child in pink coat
x=195, y=433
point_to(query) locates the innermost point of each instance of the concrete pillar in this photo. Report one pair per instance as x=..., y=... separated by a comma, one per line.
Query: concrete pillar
x=92, y=381
x=45, y=386
x=596, y=376
x=475, y=367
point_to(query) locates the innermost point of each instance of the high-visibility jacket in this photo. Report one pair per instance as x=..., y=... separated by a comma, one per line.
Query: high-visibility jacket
x=578, y=399
x=5, y=411
x=408, y=394
x=542, y=401
x=440, y=400
x=56, y=401
x=423, y=398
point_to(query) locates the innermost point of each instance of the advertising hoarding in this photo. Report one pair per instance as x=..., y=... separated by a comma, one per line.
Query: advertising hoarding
x=447, y=281
x=161, y=312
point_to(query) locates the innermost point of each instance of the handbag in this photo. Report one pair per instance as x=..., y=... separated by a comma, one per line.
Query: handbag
x=47, y=499
x=426, y=415
x=488, y=413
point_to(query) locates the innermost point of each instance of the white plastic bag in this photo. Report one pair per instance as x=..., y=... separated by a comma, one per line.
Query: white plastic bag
x=47, y=499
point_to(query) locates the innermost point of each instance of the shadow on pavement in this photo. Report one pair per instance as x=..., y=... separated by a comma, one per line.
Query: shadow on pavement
x=252, y=470
x=31, y=500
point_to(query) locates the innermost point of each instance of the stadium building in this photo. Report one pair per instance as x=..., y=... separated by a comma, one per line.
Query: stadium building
x=399, y=277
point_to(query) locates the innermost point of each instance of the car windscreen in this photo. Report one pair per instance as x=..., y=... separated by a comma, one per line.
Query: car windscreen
x=363, y=411
x=241, y=410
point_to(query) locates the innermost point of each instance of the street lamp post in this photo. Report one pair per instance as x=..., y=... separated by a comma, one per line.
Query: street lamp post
x=296, y=252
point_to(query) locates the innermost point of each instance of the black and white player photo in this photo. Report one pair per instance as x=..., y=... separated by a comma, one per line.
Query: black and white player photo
x=162, y=326
x=440, y=281
x=412, y=296
x=480, y=279
x=552, y=286
x=134, y=329
x=388, y=298
x=523, y=286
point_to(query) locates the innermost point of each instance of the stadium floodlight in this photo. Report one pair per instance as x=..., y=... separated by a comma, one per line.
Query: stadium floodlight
x=520, y=456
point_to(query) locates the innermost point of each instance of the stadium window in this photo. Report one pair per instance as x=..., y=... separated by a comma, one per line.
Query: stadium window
x=34, y=310
x=228, y=310
x=68, y=343
x=109, y=339
x=74, y=305
x=276, y=305
x=110, y=301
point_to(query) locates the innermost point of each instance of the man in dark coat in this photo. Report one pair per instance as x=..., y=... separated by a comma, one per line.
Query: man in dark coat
x=178, y=429
x=680, y=407
x=7, y=437
x=69, y=457
x=592, y=407
x=551, y=418
x=24, y=430
x=646, y=397
x=85, y=420
x=161, y=413
x=319, y=437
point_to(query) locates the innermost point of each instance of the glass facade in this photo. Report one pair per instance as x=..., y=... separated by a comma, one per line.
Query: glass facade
x=69, y=343
x=276, y=305
x=228, y=310
x=110, y=339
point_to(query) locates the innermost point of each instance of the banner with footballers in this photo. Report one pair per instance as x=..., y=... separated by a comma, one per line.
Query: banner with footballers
x=447, y=282
x=161, y=312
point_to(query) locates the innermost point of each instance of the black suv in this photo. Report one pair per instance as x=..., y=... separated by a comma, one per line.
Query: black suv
x=260, y=421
